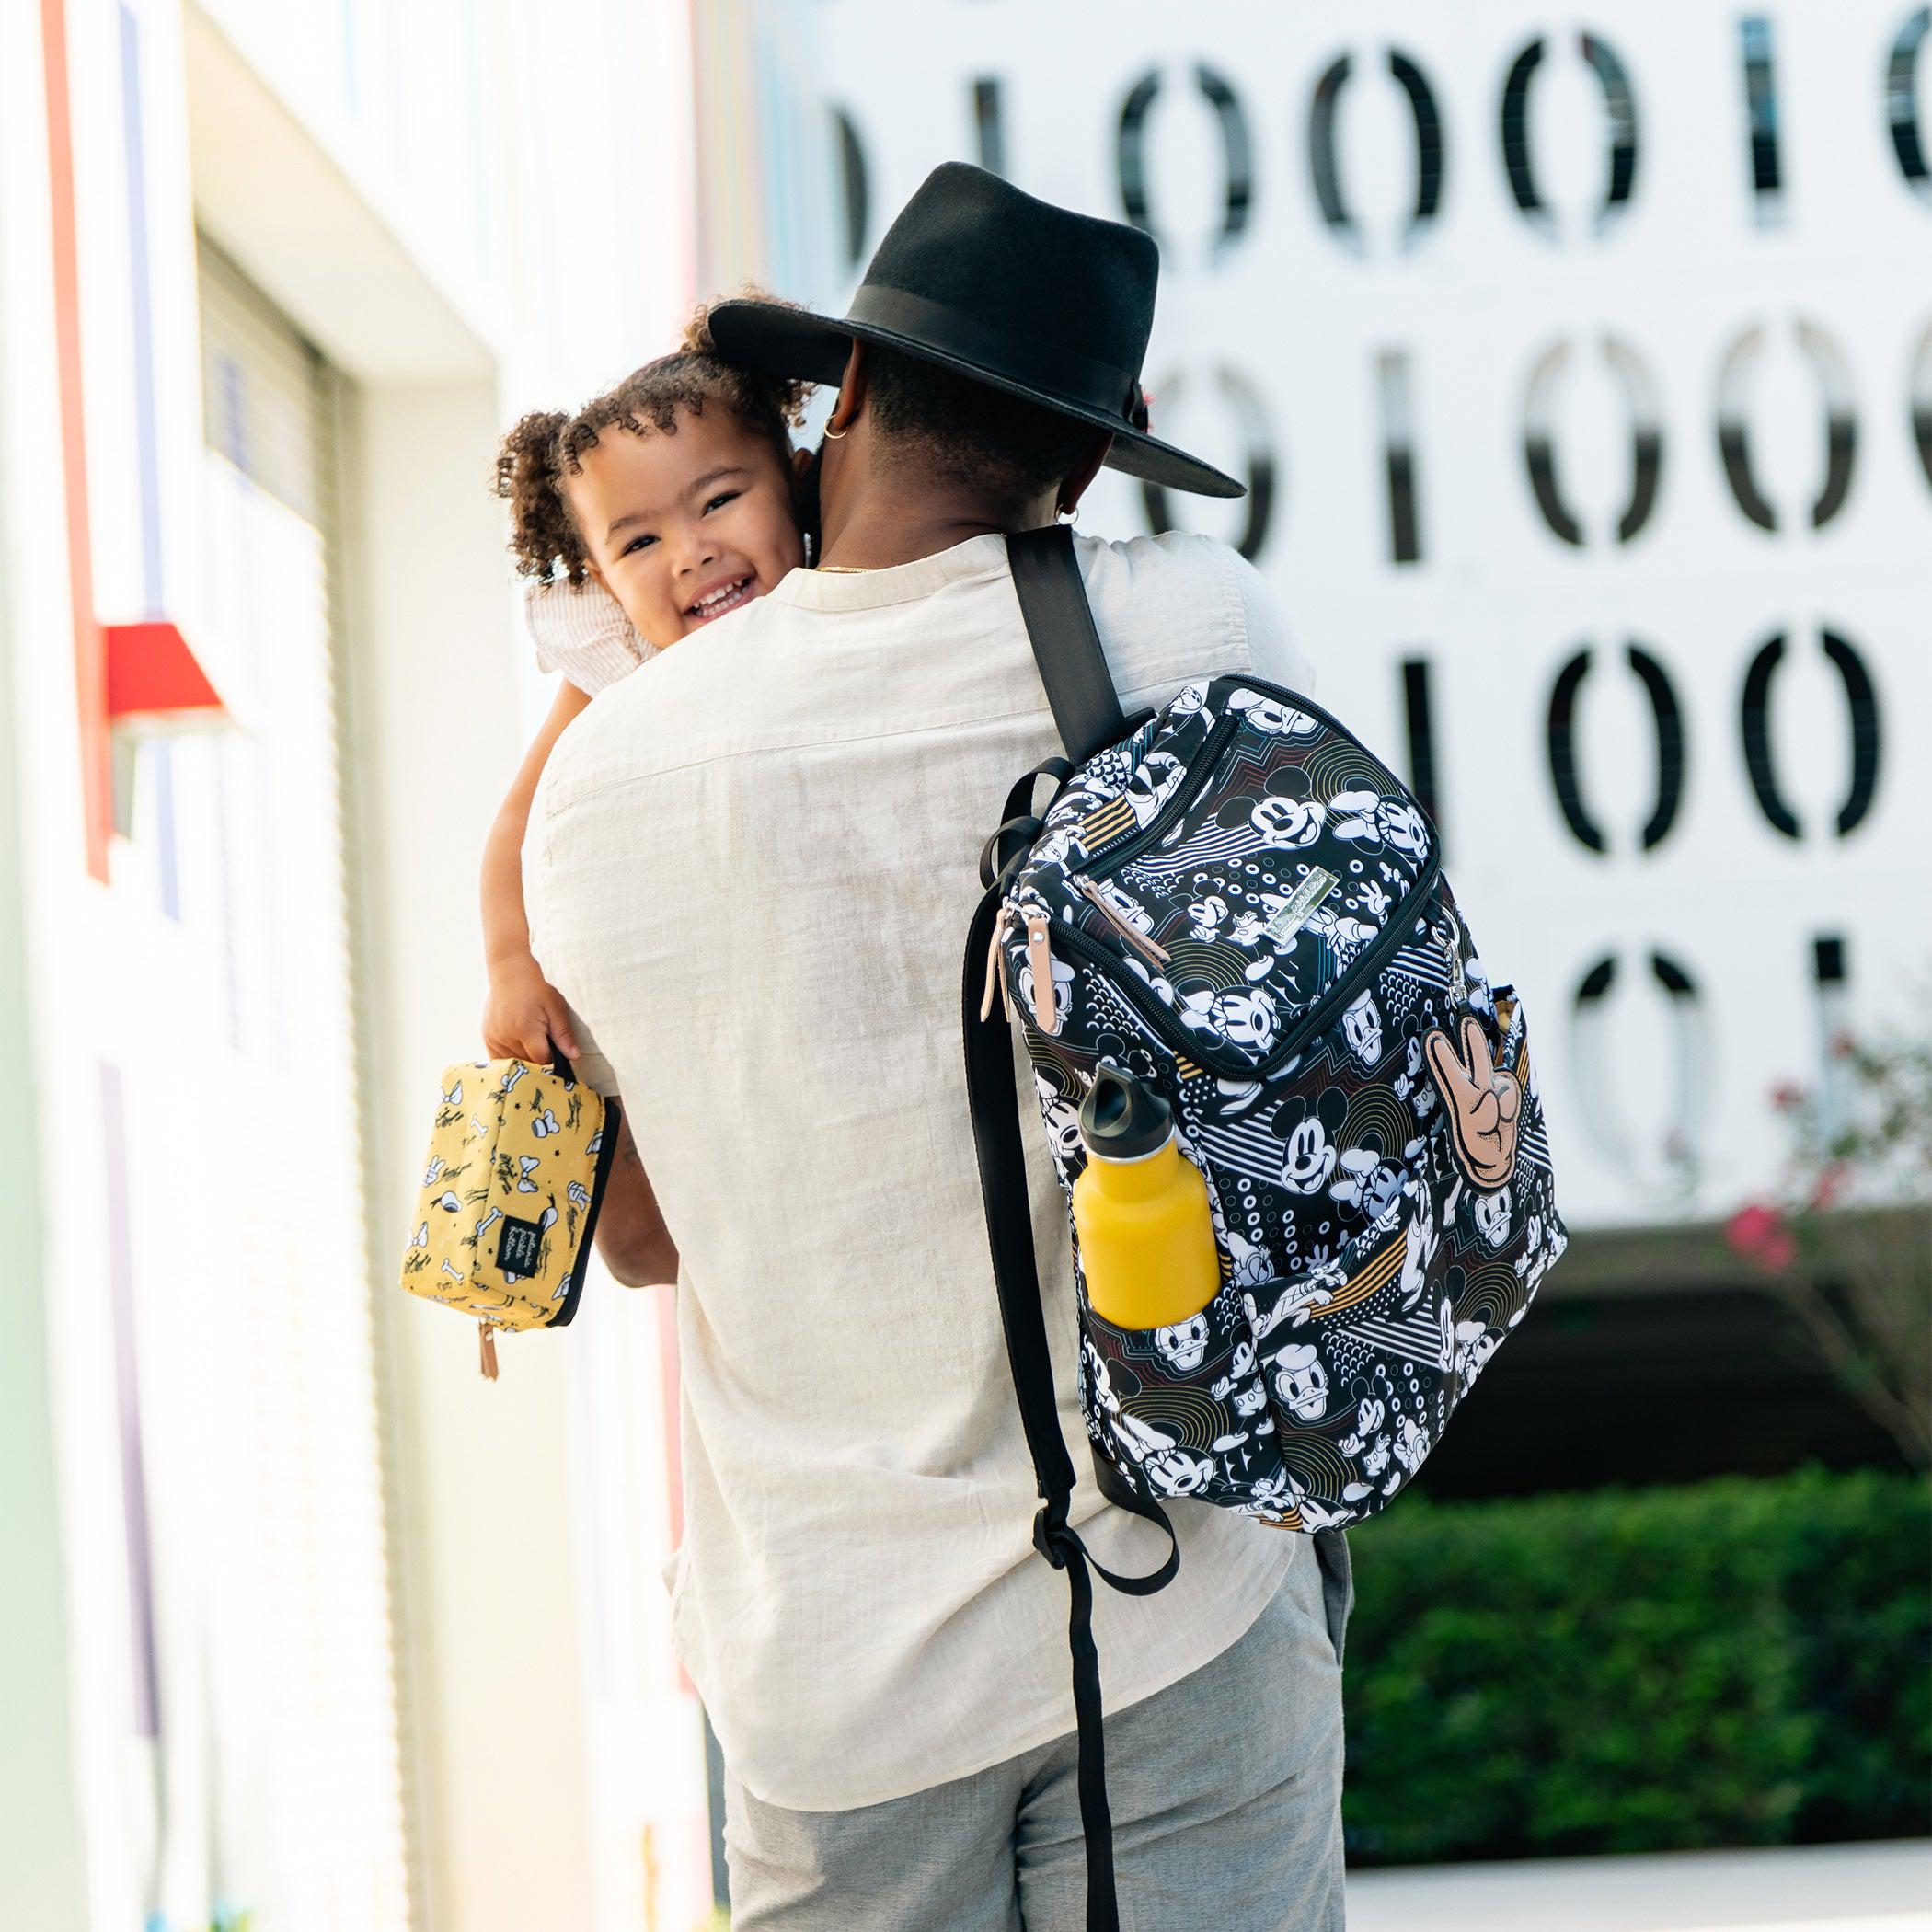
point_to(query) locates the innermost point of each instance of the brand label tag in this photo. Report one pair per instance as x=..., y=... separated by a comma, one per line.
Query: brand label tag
x=519, y=1245
x=1316, y=886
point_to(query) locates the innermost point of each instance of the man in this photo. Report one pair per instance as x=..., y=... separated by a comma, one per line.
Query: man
x=751, y=872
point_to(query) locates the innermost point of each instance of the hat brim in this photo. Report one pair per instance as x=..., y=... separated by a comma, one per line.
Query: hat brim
x=772, y=339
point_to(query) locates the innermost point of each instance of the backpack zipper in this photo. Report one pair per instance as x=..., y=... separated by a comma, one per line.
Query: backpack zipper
x=1317, y=1015
x=996, y=968
x=1039, y=959
x=1142, y=943
x=1205, y=762
x=1313, y=1022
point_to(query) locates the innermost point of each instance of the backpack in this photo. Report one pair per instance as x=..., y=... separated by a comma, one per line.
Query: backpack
x=1236, y=901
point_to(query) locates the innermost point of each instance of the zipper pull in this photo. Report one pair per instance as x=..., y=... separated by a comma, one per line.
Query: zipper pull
x=996, y=968
x=487, y=1345
x=1039, y=958
x=1142, y=943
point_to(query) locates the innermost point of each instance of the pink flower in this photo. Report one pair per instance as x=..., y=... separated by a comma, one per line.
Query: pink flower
x=1786, y=1095
x=1759, y=1235
x=1829, y=1185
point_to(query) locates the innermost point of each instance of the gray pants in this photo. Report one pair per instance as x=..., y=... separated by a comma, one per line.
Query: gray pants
x=1227, y=1796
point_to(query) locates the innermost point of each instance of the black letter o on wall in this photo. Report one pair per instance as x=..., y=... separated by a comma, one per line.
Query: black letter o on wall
x=1245, y=403
x=1681, y=1061
x=1902, y=99
x=1620, y=112
x=1324, y=166
x=1841, y=428
x=1236, y=156
x=1861, y=707
x=1639, y=394
x=1922, y=405
x=1667, y=718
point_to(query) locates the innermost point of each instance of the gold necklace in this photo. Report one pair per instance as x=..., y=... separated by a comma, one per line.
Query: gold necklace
x=846, y=569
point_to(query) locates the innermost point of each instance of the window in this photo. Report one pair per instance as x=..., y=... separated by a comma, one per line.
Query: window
x=305, y=1796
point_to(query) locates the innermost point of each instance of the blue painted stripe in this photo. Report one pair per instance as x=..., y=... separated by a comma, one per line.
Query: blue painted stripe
x=141, y=297
x=147, y=439
x=351, y=63
x=231, y=418
x=127, y=1384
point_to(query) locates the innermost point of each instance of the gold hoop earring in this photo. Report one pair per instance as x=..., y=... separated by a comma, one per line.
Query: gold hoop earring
x=833, y=435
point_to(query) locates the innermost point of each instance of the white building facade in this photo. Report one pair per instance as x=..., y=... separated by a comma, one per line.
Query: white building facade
x=306, y=1626
x=1580, y=364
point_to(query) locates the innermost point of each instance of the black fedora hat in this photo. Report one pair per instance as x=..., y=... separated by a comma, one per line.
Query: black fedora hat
x=979, y=278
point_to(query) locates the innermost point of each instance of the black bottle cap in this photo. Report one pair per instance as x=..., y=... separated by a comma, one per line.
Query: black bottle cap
x=1121, y=1120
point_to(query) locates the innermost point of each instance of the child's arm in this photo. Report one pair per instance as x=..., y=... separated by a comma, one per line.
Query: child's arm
x=525, y=1018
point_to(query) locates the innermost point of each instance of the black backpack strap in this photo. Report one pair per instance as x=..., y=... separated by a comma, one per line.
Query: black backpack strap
x=995, y=1099
x=1066, y=647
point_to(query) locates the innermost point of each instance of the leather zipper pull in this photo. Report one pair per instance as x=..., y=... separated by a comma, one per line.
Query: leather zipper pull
x=996, y=969
x=1039, y=959
x=1142, y=943
x=487, y=1347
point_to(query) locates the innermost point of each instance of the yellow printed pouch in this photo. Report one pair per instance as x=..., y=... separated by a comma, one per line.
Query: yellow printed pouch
x=519, y=1159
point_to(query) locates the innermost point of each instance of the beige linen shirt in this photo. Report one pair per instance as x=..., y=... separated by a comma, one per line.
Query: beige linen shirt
x=751, y=874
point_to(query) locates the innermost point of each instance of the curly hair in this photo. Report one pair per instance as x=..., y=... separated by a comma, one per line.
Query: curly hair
x=547, y=445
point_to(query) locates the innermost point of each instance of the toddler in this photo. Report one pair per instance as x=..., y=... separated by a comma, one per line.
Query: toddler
x=659, y=507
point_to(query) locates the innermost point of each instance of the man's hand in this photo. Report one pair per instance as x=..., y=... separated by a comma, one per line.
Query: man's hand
x=631, y=1236
x=524, y=1016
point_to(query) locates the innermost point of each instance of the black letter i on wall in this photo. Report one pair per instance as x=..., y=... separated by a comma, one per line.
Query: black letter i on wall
x=1398, y=455
x=1760, y=111
x=989, y=124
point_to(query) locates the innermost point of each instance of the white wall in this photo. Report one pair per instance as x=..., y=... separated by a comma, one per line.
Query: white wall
x=1656, y=1105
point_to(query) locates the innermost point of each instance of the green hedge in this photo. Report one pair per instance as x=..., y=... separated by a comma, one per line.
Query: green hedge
x=1732, y=1662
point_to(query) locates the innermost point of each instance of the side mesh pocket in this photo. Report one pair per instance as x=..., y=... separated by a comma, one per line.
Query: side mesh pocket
x=1179, y=1411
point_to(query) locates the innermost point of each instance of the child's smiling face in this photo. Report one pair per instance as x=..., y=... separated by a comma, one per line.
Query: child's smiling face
x=685, y=524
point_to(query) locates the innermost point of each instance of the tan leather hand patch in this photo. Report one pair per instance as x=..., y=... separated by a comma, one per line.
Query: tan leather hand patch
x=1485, y=1105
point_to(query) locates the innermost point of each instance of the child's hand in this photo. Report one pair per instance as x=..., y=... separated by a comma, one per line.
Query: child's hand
x=524, y=1016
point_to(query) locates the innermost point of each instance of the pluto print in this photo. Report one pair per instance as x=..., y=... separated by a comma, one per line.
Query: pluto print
x=1242, y=906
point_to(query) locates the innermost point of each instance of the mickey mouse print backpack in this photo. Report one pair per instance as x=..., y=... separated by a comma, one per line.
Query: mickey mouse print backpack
x=1234, y=900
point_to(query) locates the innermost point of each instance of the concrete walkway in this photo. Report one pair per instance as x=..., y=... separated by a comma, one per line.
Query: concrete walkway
x=1824, y=1888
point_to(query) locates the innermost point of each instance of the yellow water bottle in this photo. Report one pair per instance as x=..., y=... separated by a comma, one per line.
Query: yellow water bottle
x=1141, y=1208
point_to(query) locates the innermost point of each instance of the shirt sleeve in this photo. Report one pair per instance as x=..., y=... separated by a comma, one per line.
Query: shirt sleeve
x=589, y=1064
x=580, y=630
x=1272, y=650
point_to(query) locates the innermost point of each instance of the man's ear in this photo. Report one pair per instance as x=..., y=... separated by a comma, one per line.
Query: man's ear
x=800, y=461
x=852, y=384
x=1077, y=480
